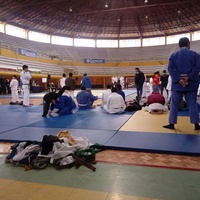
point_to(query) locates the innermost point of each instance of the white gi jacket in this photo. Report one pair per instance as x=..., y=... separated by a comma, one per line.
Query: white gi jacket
x=105, y=96
x=115, y=103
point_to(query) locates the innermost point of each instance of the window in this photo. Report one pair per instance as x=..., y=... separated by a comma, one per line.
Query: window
x=39, y=37
x=196, y=35
x=15, y=31
x=130, y=43
x=61, y=40
x=84, y=42
x=153, y=41
x=107, y=43
x=173, y=39
x=1, y=27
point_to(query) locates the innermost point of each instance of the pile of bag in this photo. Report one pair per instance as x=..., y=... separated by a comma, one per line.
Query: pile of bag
x=61, y=151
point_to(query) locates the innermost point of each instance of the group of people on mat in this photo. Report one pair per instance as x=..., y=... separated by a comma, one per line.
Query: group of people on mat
x=113, y=100
x=183, y=68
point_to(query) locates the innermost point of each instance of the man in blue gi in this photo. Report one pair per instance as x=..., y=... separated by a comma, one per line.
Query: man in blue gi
x=65, y=104
x=86, y=82
x=85, y=99
x=184, y=68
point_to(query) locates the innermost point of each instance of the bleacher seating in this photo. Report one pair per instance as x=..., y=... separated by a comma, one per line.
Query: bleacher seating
x=76, y=55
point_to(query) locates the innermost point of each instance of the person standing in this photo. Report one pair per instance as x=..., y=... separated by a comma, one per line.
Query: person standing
x=184, y=68
x=164, y=81
x=156, y=81
x=14, y=92
x=86, y=82
x=71, y=82
x=62, y=80
x=25, y=76
x=139, y=81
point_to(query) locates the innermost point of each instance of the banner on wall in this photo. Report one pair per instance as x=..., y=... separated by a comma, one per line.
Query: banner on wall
x=26, y=52
x=87, y=60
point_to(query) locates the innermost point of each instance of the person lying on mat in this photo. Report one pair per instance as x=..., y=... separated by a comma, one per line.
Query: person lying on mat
x=65, y=105
x=115, y=102
x=50, y=98
x=156, y=103
x=85, y=99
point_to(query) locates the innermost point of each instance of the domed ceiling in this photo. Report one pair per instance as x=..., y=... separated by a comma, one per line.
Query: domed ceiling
x=103, y=19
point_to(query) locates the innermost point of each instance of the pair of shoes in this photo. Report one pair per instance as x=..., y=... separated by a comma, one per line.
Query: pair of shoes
x=44, y=116
x=169, y=126
x=27, y=106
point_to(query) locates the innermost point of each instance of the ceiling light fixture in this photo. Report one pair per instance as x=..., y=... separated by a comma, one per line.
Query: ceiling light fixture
x=70, y=10
x=146, y=1
x=106, y=5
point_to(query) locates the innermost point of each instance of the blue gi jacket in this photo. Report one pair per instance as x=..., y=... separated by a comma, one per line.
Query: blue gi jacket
x=66, y=104
x=186, y=62
x=86, y=82
x=85, y=99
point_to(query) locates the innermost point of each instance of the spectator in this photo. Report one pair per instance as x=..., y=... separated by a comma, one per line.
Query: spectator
x=164, y=81
x=86, y=82
x=139, y=81
x=62, y=80
x=71, y=82
x=156, y=81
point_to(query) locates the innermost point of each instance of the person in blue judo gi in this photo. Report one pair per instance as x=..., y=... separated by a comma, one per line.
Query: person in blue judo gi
x=65, y=104
x=85, y=99
x=184, y=68
x=50, y=99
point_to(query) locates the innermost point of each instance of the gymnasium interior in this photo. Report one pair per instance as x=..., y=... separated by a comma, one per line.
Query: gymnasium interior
x=140, y=160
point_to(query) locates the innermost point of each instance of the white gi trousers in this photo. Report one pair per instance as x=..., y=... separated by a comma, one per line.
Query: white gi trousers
x=14, y=94
x=26, y=92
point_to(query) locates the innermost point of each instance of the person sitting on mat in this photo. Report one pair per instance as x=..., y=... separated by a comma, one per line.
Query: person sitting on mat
x=105, y=95
x=50, y=98
x=85, y=99
x=156, y=103
x=115, y=102
x=120, y=91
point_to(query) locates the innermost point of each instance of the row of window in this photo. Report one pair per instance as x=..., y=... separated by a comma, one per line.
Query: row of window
x=41, y=37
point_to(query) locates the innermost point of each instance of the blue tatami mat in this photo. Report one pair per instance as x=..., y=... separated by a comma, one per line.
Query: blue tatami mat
x=36, y=134
x=183, y=144
x=7, y=128
x=103, y=122
x=60, y=121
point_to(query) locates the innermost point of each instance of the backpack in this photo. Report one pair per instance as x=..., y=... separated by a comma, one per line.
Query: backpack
x=133, y=106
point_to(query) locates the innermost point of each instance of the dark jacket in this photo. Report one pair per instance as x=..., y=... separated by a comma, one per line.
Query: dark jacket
x=139, y=78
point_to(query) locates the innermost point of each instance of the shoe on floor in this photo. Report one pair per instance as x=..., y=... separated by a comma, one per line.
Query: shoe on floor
x=196, y=127
x=169, y=126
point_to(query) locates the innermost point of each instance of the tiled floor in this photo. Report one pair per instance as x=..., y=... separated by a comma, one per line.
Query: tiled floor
x=120, y=175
